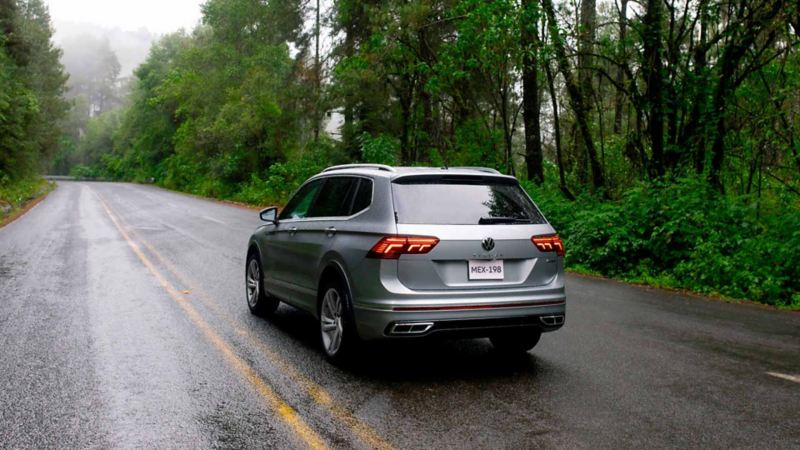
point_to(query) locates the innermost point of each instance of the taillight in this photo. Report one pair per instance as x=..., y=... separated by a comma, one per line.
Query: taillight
x=391, y=247
x=549, y=244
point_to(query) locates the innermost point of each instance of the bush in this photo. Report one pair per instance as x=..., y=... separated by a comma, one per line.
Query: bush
x=682, y=235
x=14, y=194
x=379, y=150
x=84, y=172
x=476, y=146
x=277, y=184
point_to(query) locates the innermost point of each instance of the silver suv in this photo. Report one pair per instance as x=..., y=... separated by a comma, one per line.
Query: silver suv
x=379, y=252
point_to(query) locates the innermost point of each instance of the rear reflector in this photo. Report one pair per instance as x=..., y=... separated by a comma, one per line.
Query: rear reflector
x=472, y=307
x=549, y=244
x=391, y=247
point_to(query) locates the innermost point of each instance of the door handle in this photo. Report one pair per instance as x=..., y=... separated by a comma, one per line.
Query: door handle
x=293, y=231
x=330, y=231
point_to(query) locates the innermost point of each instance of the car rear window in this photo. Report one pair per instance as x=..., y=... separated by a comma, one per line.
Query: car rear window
x=462, y=200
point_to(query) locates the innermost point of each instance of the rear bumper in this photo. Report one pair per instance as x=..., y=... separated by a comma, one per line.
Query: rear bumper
x=375, y=324
x=396, y=312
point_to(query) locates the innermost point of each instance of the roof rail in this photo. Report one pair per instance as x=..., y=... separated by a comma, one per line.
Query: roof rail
x=361, y=166
x=481, y=169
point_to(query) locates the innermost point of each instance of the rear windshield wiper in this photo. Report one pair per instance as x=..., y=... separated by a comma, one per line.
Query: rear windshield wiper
x=494, y=220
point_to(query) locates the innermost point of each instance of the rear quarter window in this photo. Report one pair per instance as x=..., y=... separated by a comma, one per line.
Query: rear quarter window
x=363, y=198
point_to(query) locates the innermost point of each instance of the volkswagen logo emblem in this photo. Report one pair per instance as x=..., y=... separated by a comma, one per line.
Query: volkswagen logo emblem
x=488, y=244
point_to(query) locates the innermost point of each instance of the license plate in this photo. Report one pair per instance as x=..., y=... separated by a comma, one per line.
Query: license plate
x=485, y=270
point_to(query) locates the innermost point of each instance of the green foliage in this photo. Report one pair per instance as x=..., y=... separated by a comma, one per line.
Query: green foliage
x=15, y=193
x=32, y=84
x=280, y=180
x=476, y=146
x=379, y=150
x=685, y=235
x=82, y=172
x=231, y=110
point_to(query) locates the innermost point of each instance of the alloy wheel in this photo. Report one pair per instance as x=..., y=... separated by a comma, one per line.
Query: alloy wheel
x=253, y=282
x=331, y=324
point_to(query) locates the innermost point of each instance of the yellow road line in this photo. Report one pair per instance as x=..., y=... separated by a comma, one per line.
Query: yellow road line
x=284, y=410
x=317, y=393
x=785, y=376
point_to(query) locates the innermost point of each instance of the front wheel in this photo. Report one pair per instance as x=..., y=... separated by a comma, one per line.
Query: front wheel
x=259, y=302
x=337, y=332
x=516, y=341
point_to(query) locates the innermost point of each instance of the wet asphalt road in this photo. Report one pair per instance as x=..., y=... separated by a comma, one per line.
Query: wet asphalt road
x=123, y=324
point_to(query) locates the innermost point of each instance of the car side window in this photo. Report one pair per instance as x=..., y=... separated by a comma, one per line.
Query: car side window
x=298, y=207
x=335, y=197
x=363, y=197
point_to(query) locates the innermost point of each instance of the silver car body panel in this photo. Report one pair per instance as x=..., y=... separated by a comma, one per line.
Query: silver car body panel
x=429, y=288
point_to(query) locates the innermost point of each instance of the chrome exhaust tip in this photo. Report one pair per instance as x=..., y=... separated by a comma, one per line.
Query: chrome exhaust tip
x=406, y=328
x=552, y=321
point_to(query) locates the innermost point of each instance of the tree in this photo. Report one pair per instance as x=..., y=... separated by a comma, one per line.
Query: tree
x=586, y=37
x=576, y=97
x=652, y=66
x=534, y=158
x=31, y=104
x=696, y=87
x=619, y=97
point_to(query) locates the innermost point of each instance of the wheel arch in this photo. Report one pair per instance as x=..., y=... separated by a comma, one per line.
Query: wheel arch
x=332, y=271
x=253, y=247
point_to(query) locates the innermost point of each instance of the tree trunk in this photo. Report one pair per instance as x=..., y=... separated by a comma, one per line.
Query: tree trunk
x=562, y=179
x=728, y=82
x=317, y=79
x=507, y=131
x=653, y=68
x=787, y=125
x=348, y=130
x=620, y=95
x=406, y=101
x=575, y=95
x=530, y=92
x=427, y=140
x=586, y=35
x=690, y=137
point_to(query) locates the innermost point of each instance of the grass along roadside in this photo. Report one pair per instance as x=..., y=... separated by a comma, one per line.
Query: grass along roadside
x=19, y=196
x=669, y=286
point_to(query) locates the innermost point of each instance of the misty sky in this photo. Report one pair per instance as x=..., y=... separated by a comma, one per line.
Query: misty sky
x=158, y=16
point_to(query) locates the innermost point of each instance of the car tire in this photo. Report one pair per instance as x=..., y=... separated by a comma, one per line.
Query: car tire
x=259, y=302
x=516, y=341
x=338, y=335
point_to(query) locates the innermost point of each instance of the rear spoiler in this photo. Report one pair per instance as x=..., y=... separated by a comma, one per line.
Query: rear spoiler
x=454, y=178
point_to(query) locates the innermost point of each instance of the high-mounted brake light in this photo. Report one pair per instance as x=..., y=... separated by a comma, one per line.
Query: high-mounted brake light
x=391, y=247
x=549, y=244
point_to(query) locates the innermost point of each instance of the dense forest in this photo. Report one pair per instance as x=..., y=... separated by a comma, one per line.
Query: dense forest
x=659, y=137
x=32, y=102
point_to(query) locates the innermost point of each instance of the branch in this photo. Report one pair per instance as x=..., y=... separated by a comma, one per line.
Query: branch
x=781, y=181
x=445, y=20
x=622, y=65
x=757, y=67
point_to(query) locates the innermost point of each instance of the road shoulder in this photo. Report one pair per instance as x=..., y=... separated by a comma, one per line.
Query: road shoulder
x=18, y=211
x=683, y=292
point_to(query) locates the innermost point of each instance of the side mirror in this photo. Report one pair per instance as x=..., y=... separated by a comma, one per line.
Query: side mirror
x=269, y=215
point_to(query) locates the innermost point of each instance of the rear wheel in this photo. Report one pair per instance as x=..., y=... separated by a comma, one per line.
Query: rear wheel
x=337, y=331
x=259, y=302
x=516, y=341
